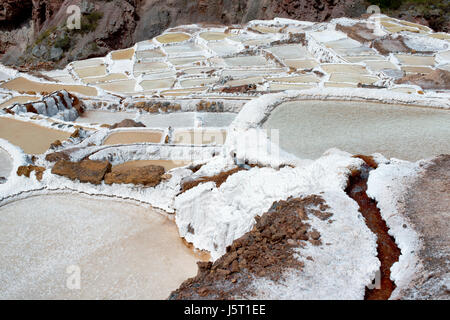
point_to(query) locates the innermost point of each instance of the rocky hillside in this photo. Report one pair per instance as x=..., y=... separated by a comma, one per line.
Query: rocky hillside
x=33, y=33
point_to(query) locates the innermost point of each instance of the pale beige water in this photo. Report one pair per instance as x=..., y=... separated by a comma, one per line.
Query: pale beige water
x=109, y=77
x=149, y=54
x=306, y=78
x=308, y=128
x=340, y=85
x=122, y=250
x=173, y=37
x=18, y=99
x=24, y=85
x=213, y=35
x=345, y=68
x=157, y=84
x=32, y=138
x=121, y=86
x=125, y=54
x=410, y=59
x=289, y=86
x=416, y=69
x=97, y=71
x=301, y=64
x=197, y=82
x=127, y=137
x=352, y=77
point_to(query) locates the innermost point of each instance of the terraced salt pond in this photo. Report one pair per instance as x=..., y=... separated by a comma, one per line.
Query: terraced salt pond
x=308, y=128
x=174, y=120
x=132, y=136
x=24, y=85
x=123, y=250
x=32, y=138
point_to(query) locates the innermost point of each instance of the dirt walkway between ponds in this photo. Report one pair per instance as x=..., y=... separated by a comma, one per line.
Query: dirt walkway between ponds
x=388, y=252
x=427, y=206
x=32, y=138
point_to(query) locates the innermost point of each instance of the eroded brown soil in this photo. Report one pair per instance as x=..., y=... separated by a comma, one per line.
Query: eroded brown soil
x=427, y=207
x=266, y=251
x=218, y=179
x=388, y=252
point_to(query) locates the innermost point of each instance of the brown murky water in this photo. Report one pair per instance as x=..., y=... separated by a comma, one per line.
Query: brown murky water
x=125, y=54
x=18, y=99
x=24, y=85
x=213, y=35
x=173, y=37
x=128, y=137
x=32, y=138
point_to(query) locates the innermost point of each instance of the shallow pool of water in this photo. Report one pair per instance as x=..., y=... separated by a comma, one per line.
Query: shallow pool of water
x=174, y=120
x=128, y=137
x=32, y=138
x=173, y=37
x=119, y=250
x=308, y=128
x=28, y=86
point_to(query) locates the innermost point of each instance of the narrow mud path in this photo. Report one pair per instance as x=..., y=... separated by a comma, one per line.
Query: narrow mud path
x=388, y=252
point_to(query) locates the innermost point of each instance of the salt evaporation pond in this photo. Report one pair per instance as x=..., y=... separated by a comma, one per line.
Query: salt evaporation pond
x=308, y=128
x=122, y=250
x=32, y=138
x=174, y=120
x=5, y=164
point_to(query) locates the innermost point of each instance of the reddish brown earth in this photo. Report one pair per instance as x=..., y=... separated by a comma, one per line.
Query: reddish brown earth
x=127, y=123
x=246, y=88
x=85, y=171
x=56, y=156
x=427, y=207
x=437, y=79
x=266, y=251
x=125, y=22
x=388, y=252
x=385, y=45
x=148, y=176
x=218, y=179
x=27, y=170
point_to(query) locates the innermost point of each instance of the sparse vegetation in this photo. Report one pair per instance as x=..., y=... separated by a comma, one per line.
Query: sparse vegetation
x=63, y=42
x=89, y=22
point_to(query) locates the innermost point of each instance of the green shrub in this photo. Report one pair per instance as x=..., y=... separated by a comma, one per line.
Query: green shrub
x=89, y=22
x=63, y=43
